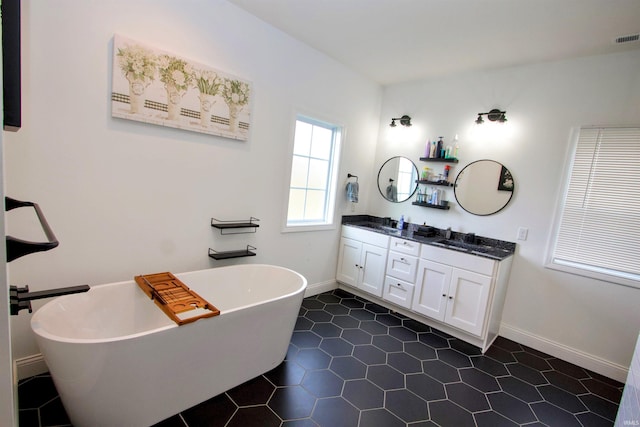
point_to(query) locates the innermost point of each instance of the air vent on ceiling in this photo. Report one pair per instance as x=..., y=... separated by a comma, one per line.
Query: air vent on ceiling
x=628, y=38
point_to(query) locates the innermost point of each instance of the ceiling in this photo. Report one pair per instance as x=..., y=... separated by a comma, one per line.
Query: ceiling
x=394, y=41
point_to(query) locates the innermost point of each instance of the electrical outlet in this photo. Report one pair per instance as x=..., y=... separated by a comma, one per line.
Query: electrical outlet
x=522, y=233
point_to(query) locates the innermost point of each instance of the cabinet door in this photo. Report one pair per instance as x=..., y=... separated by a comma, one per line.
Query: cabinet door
x=374, y=260
x=431, y=290
x=349, y=261
x=468, y=297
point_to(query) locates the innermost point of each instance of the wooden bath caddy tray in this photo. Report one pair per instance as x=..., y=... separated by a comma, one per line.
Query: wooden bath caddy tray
x=175, y=298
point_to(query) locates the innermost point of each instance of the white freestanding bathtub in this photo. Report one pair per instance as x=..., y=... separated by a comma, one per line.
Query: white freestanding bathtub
x=117, y=360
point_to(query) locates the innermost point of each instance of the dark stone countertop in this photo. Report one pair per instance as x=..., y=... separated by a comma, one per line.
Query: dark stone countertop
x=468, y=243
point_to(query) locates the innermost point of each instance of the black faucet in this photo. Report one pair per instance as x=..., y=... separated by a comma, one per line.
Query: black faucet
x=447, y=233
x=20, y=298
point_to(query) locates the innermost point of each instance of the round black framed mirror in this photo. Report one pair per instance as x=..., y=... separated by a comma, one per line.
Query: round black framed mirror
x=397, y=179
x=484, y=187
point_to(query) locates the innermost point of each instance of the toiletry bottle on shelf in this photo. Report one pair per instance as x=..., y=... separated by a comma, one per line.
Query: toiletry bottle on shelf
x=432, y=153
x=427, y=148
x=456, y=147
x=447, y=152
x=439, y=153
x=401, y=223
x=446, y=172
x=425, y=173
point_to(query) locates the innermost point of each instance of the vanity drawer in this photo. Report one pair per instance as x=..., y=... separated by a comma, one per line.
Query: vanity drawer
x=370, y=237
x=404, y=246
x=401, y=266
x=461, y=260
x=398, y=292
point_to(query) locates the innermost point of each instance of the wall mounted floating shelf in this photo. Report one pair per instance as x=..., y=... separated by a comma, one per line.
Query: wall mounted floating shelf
x=431, y=205
x=439, y=159
x=234, y=227
x=441, y=183
x=232, y=254
x=224, y=226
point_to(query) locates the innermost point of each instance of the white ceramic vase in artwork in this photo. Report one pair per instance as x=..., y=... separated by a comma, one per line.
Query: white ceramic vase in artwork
x=173, y=103
x=234, y=111
x=136, y=96
x=206, y=108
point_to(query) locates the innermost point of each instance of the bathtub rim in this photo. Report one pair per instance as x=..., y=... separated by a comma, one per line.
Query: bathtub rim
x=37, y=329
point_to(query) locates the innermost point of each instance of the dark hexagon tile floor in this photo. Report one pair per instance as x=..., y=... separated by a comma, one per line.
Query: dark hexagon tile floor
x=353, y=363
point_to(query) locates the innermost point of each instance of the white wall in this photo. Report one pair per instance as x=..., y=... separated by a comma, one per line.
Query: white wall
x=126, y=198
x=594, y=323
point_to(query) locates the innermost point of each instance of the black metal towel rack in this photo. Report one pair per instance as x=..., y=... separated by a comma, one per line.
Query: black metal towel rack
x=19, y=247
x=20, y=298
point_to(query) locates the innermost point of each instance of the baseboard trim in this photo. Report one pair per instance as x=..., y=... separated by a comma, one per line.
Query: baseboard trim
x=566, y=353
x=318, y=288
x=29, y=366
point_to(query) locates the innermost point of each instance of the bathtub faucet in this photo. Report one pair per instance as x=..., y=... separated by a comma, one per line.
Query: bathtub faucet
x=20, y=298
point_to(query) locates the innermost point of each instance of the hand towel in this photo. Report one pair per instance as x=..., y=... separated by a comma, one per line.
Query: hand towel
x=392, y=193
x=352, y=192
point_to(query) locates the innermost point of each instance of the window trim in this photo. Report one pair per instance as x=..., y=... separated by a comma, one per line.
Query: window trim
x=584, y=270
x=331, y=215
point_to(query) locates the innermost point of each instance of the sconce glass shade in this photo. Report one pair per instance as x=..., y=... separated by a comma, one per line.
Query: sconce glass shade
x=479, y=120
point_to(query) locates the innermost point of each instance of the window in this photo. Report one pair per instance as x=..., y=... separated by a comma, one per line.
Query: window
x=406, y=178
x=312, y=186
x=599, y=227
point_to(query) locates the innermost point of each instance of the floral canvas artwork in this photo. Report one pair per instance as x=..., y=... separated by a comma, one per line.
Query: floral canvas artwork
x=157, y=87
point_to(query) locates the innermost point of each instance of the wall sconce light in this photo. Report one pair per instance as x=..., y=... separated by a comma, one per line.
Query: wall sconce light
x=404, y=121
x=493, y=115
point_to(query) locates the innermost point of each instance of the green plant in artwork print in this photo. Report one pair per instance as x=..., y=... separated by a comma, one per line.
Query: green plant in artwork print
x=235, y=92
x=137, y=63
x=175, y=72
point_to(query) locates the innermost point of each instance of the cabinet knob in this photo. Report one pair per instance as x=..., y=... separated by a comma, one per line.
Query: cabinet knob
x=444, y=295
x=399, y=285
x=450, y=297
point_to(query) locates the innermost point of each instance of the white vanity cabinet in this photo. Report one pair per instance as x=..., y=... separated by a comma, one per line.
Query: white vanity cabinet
x=362, y=259
x=461, y=290
x=402, y=265
x=459, y=293
x=452, y=295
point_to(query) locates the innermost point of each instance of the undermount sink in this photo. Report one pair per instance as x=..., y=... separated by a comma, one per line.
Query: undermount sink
x=381, y=227
x=463, y=246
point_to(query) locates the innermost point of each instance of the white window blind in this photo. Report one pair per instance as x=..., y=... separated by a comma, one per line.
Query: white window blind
x=599, y=230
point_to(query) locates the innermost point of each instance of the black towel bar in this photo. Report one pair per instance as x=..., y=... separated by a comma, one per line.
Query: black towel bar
x=19, y=247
